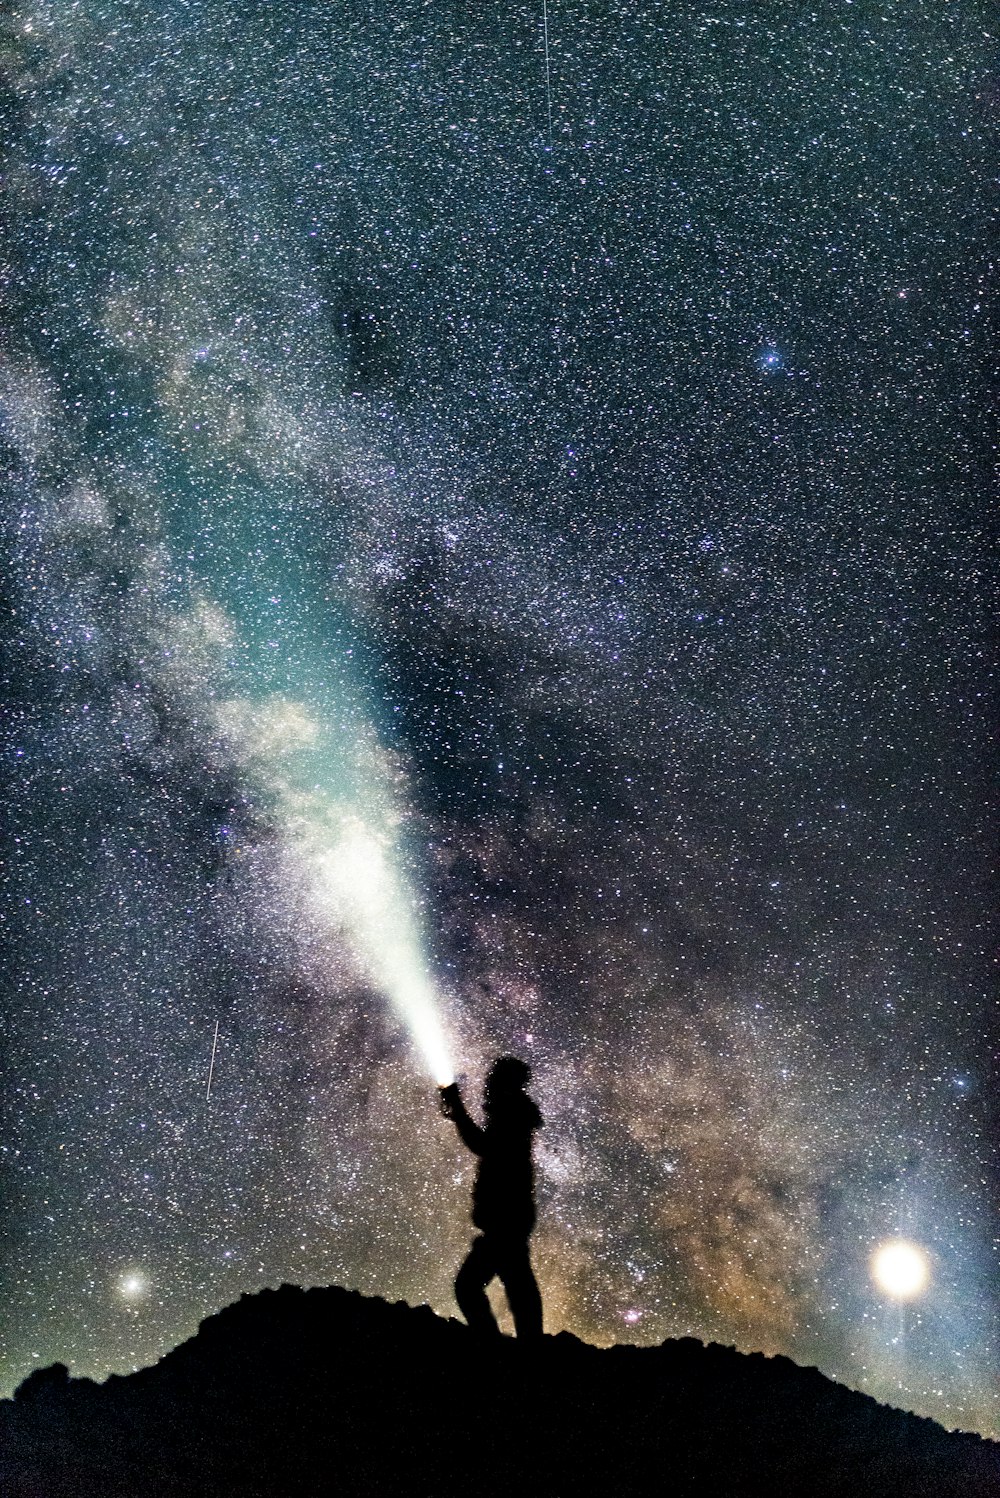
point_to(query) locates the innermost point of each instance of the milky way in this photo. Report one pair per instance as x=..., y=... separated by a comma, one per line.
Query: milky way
x=595, y=530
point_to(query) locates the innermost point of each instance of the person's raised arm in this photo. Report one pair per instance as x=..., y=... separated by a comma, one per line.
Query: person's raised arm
x=452, y=1107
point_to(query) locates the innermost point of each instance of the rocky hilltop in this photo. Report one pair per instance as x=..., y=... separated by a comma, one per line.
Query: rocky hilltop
x=311, y=1392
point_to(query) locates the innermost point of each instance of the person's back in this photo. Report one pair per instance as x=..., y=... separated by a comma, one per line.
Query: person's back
x=503, y=1199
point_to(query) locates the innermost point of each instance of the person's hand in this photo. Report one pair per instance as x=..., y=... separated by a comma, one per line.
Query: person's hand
x=449, y=1098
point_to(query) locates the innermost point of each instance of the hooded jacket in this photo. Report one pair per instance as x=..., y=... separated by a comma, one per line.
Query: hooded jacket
x=503, y=1197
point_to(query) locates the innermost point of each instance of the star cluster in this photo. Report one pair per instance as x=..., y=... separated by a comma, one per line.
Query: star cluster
x=595, y=529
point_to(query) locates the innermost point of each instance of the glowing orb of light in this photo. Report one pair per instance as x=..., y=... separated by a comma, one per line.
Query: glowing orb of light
x=901, y=1269
x=132, y=1286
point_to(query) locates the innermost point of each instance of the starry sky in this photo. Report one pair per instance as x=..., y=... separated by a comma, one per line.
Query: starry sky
x=529, y=545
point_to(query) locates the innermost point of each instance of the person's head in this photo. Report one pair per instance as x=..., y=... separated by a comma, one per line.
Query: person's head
x=507, y=1077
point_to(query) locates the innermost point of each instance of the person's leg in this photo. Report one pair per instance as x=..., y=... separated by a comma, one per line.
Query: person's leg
x=470, y=1288
x=523, y=1294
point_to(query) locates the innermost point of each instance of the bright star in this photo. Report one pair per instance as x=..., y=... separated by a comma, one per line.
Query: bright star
x=901, y=1269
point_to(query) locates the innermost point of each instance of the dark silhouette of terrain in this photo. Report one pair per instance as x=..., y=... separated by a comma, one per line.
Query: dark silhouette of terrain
x=306, y=1392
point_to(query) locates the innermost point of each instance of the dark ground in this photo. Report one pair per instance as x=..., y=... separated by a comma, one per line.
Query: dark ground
x=294, y=1392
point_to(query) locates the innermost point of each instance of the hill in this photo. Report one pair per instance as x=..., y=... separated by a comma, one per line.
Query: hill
x=292, y=1393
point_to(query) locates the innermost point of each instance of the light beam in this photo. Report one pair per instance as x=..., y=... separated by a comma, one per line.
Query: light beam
x=360, y=884
x=337, y=811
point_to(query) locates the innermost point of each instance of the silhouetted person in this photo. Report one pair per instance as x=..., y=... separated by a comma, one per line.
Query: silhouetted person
x=503, y=1199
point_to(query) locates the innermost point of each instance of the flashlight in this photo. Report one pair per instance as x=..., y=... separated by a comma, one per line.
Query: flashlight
x=449, y=1098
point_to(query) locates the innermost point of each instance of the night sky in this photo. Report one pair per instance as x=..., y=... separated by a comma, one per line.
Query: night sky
x=552, y=569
